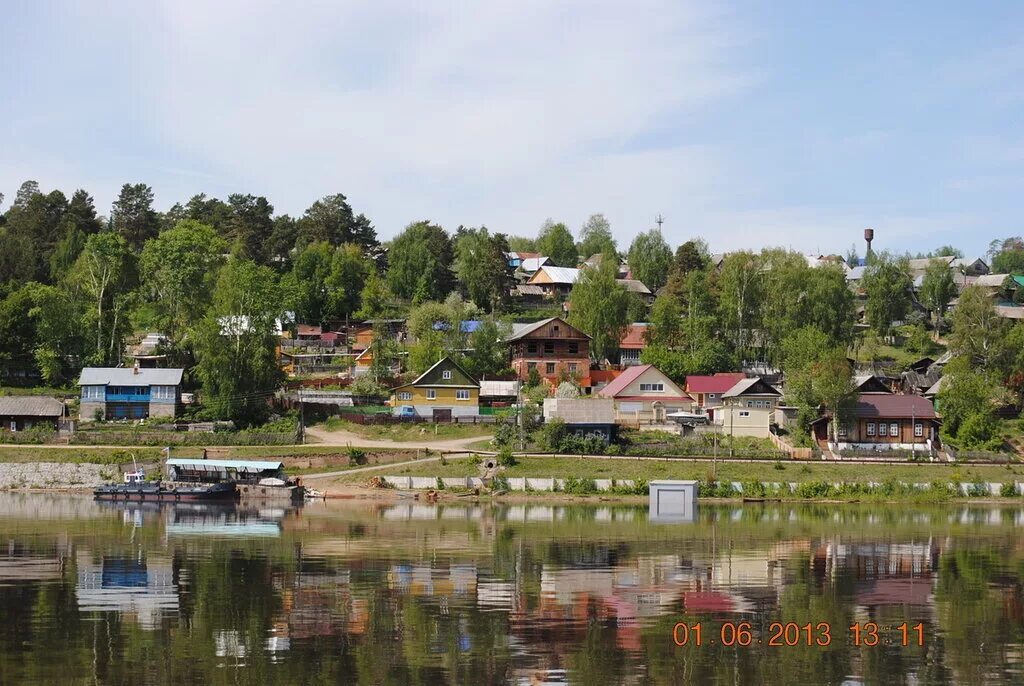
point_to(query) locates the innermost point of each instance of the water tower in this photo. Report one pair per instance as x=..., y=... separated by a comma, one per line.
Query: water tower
x=869, y=235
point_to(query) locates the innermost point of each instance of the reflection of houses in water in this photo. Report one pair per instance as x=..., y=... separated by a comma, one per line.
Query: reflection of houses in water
x=141, y=587
x=18, y=563
x=219, y=520
x=425, y=580
x=875, y=560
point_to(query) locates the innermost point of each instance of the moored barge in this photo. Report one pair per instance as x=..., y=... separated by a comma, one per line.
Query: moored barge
x=157, y=491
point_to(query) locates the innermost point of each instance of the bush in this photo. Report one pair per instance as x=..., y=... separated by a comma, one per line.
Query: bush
x=505, y=434
x=978, y=490
x=366, y=387
x=580, y=486
x=814, y=489
x=1008, y=490
x=506, y=458
x=551, y=435
x=356, y=457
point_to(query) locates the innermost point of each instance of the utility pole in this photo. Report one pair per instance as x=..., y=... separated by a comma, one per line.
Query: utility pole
x=659, y=220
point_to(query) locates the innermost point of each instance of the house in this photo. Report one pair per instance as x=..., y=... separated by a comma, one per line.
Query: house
x=516, y=260
x=748, y=408
x=308, y=332
x=496, y=393
x=632, y=344
x=584, y=417
x=970, y=266
x=638, y=288
x=645, y=394
x=443, y=392
x=129, y=392
x=883, y=422
x=555, y=282
x=556, y=349
x=869, y=383
x=23, y=412
x=708, y=390
x=917, y=382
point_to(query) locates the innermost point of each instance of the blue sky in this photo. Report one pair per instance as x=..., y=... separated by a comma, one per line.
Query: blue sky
x=750, y=124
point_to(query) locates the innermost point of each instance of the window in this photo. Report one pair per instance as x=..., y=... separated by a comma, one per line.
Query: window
x=446, y=374
x=405, y=395
x=573, y=367
x=883, y=430
x=919, y=430
x=652, y=387
x=750, y=403
x=711, y=396
x=549, y=368
x=894, y=429
x=554, y=330
x=462, y=394
x=744, y=413
x=431, y=394
x=531, y=366
x=574, y=348
x=549, y=348
x=842, y=431
x=871, y=428
x=531, y=348
x=92, y=392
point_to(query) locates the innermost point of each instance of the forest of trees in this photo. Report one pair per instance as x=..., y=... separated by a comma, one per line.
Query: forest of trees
x=75, y=285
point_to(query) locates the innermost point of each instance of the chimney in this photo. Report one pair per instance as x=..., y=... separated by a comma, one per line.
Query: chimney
x=869, y=235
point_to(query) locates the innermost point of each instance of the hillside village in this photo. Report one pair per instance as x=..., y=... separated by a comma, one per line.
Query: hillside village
x=220, y=315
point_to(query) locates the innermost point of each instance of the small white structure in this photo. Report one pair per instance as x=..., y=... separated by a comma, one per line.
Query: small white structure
x=672, y=501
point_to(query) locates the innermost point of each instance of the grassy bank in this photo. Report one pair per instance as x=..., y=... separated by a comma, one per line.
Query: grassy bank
x=798, y=472
x=309, y=455
x=409, y=432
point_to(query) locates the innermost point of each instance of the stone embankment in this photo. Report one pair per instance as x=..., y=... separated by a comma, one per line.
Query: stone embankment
x=54, y=475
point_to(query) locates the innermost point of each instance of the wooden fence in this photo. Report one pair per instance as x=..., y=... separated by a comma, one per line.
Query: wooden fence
x=793, y=452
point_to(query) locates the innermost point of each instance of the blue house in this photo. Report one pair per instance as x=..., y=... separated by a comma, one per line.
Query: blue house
x=129, y=392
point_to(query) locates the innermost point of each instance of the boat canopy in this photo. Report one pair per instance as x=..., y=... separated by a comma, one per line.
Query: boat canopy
x=187, y=469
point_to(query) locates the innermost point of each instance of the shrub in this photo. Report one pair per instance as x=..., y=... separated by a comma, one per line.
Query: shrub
x=505, y=434
x=1008, y=489
x=978, y=490
x=754, y=489
x=356, y=457
x=575, y=486
x=551, y=435
x=506, y=458
x=499, y=483
x=814, y=489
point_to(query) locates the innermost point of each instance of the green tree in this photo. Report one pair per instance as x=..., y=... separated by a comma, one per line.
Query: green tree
x=555, y=242
x=481, y=266
x=17, y=330
x=210, y=211
x=235, y=347
x=331, y=219
x=887, y=284
x=178, y=270
x=305, y=287
x=1010, y=261
x=690, y=256
x=419, y=260
x=350, y=271
x=666, y=322
x=937, y=288
x=817, y=374
x=104, y=276
x=650, y=258
x=34, y=225
x=60, y=331
x=740, y=287
x=599, y=306
x=978, y=334
x=375, y=298
x=133, y=217
x=596, y=237
x=968, y=400
x=250, y=225
x=436, y=329
x=487, y=354
x=522, y=244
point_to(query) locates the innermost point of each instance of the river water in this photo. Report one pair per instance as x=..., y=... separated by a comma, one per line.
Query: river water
x=354, y=592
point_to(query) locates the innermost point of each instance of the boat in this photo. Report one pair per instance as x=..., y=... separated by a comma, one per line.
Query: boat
x=135, y=487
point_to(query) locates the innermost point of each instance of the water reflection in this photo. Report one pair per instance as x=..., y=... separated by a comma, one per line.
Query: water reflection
x=522, y=593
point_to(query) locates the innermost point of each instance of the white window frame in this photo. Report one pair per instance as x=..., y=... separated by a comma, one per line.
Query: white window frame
x=883, y=429
x=652, y=388
x=462, y=394
x=918, y=430
x=405, y=395
x=431, y=394
x=446, y=374
x=744, y=413
x=894, y=429
x=712, y=396
x=842, y=430
x=871, y=429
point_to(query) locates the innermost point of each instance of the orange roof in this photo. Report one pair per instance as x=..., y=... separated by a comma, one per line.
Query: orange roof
x=603, y=375
x=633, y=339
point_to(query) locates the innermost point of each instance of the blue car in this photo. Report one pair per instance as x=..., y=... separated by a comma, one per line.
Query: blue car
x=406, y=412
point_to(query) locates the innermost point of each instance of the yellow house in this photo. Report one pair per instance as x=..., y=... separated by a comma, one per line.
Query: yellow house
x=748, y=409
x=444, y=391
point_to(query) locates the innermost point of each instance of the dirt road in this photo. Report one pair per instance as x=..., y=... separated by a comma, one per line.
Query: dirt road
x=346, y=438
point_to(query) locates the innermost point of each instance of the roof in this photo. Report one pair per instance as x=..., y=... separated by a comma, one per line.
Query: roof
x=580, y=410
x=895, y=406
x=869, y=383
x=960, y=262
x=855, y=273
x=245, y=465
x=308, y=330
x=522, y=330
x=922, y=263
x=634, y=286
x=633, y=338
x=744, y=385
x=991, y=280
x=922, y=380
x=434, y=366
x=527, y=289
x=559, y=274
x=129, y=376
x=935, y=388
x=532, y=264
x=1010, y=311
x=30, y=406
x=498, y=389
x=1019, y=280
x=718, y=383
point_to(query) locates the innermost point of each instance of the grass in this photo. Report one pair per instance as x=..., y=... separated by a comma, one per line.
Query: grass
x=39, y=390
x=792, y=471
x=32, y=453
x=409, y=432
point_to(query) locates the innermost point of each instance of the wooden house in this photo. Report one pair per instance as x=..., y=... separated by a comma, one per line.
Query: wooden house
x=553, y=347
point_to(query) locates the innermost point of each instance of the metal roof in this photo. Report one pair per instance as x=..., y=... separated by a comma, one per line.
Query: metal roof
x=561, y=274
x=532, y=264
x=744, y=385
x=209, y=465
x=498, y=388
x=129, y=376
x=634, y=286
x=991, y=280
x=580, y=410
x=30, y=406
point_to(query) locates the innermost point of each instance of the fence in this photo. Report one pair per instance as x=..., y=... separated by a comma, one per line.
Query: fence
x=794, y=452
x=154, y=438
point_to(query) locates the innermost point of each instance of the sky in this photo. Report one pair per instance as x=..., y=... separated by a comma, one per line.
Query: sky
x=750, y=124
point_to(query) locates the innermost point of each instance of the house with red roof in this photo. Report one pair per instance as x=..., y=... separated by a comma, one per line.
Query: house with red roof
x=632, y=344
x=645, y=395
x=708, y=390
x=882, y=421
